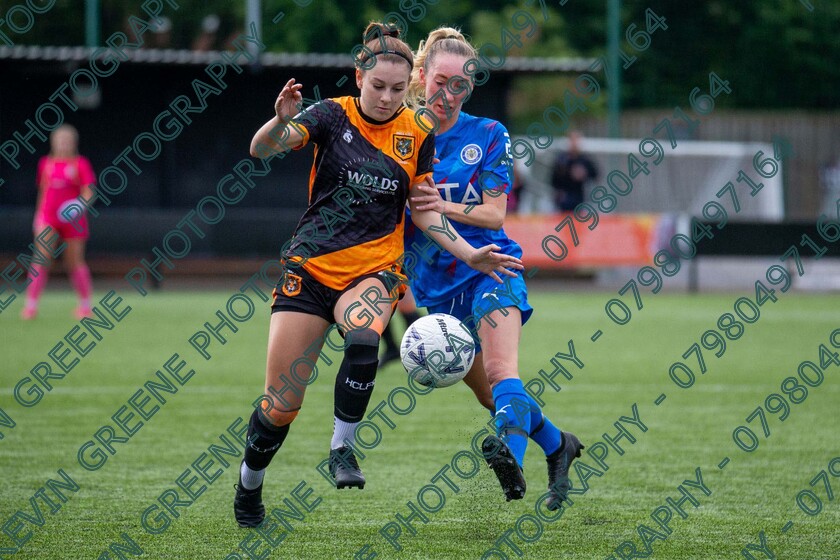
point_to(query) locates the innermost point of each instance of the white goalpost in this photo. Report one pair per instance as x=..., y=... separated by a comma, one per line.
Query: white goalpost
x=688, y=177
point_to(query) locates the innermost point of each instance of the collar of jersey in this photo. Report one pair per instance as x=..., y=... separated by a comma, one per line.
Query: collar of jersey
x=375, y=122
x=455, y=126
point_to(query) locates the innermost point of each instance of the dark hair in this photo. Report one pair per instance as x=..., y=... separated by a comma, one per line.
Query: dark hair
x=383, y=40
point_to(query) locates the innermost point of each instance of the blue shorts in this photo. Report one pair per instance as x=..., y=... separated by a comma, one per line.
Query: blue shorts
x=482, y=296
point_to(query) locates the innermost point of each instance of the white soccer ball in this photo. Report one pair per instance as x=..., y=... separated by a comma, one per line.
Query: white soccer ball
x=437, y=350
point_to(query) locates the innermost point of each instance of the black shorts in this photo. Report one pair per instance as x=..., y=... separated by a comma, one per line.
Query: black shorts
x=298, y=291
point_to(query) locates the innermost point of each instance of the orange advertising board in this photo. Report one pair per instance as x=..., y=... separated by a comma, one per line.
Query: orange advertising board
x=548, y=240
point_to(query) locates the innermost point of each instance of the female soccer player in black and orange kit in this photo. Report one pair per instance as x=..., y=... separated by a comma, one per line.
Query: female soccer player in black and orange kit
x=370, y=154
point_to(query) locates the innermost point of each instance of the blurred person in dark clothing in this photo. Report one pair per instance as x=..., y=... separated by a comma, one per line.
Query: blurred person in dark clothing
x=572, y=170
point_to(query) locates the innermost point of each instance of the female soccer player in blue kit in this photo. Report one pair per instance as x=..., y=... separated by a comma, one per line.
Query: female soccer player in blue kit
x=473, y=182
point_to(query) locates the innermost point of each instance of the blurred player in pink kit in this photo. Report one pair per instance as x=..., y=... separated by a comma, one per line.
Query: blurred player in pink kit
x=63, y=176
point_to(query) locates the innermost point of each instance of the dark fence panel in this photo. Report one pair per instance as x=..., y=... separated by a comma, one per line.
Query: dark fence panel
x=190, y=166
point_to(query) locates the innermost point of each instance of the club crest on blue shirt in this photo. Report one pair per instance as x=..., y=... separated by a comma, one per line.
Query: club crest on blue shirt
x=403, y=146
x=470, y=154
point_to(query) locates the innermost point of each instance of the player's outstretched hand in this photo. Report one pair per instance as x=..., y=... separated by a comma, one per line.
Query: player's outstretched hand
x=288, y=101
x=430, y=199
x=491, y=263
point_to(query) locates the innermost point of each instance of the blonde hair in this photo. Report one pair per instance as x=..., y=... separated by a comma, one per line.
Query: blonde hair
x=444, y=39
x=381, y=41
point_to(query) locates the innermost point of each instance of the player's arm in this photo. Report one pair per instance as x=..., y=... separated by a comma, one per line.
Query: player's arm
x=37, y=223
x=485, y=259
x=494, y=182
x=489, y=214
x=37, y=220
x=277, y=135
x=39, y=202
x=88, y=194
x=41, y=184
x=88, y=179
x=591, y=168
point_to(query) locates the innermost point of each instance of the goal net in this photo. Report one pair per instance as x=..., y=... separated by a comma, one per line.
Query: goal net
x=687, y=178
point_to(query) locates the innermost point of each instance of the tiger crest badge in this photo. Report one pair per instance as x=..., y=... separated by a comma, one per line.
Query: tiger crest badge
x=403, y=146
x=291, y=284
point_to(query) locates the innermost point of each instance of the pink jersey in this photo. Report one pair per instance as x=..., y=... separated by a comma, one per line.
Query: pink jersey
x=62, y=179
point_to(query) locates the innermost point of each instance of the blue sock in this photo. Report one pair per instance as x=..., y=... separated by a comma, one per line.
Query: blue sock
x=513, y=416
x=543, y=432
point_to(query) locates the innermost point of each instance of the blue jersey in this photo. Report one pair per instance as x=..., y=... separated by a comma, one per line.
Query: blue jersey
x=474, y=158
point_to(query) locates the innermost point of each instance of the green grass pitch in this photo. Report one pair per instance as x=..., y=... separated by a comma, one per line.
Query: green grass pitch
x=756, y=492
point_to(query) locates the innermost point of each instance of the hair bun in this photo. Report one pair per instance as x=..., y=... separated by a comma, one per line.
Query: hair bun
x=377, y=29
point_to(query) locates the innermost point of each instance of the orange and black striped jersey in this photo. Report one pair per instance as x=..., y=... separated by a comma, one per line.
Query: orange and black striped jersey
x=358, y=188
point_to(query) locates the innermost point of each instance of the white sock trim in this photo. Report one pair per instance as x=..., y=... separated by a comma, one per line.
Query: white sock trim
x=251, y=479
x=343, y=431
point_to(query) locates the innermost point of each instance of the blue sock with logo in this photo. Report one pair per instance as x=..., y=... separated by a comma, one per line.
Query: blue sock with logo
x=513, y=416
x=543, y=432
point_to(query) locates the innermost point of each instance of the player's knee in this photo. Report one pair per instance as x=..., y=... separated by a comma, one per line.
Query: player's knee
x=362, y=346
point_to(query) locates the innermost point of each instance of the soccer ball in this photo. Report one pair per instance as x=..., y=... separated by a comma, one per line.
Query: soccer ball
x=437, y=351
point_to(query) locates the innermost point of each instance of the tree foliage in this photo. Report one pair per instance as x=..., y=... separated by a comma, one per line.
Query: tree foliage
x=775, y=53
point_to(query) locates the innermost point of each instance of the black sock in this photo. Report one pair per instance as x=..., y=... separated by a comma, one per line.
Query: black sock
x=355, y=379
x=263, y=441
